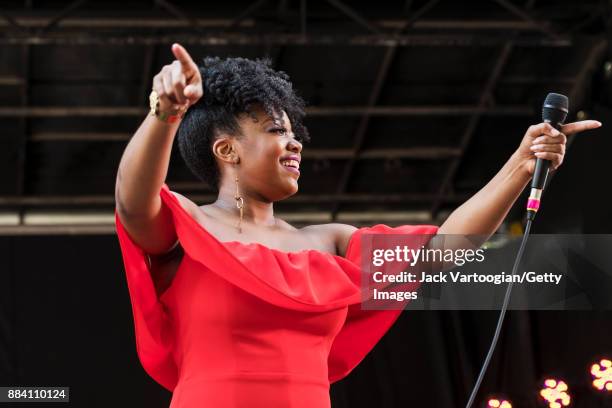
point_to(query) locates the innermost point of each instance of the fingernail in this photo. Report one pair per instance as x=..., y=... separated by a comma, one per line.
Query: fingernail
x=598, y=123
x=555, y=132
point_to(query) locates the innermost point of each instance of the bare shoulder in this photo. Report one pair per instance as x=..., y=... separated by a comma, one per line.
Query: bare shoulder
x=186, y=203
x=339, y=234
x=332, y=235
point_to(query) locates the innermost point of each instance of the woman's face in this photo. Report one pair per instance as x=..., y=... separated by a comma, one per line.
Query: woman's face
x=269, y=156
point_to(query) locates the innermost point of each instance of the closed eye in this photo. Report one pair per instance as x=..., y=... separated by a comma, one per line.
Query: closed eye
x=284, y=131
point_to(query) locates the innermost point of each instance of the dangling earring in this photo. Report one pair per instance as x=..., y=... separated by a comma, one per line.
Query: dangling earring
x=239, y=205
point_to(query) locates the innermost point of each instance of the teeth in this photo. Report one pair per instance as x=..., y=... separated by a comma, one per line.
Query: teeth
x=291, y=163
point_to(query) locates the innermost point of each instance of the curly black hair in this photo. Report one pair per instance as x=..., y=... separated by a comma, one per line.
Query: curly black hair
x=233, y=86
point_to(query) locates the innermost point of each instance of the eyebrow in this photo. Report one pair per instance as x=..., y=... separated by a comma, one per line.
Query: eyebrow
x=275, y=121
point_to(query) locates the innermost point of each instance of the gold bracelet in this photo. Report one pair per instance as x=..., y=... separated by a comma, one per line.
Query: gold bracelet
x=170, y=116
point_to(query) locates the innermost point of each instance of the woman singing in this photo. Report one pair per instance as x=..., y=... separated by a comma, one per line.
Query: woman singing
x=232, y=306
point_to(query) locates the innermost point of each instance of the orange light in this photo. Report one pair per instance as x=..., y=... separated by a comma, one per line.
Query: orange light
x=495, y=403
x=555, y=392
x=602, y=375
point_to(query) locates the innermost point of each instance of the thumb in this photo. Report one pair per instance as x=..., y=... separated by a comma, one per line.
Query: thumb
x=193, y=91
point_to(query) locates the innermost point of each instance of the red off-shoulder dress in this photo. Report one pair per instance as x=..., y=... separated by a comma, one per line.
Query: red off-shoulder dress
x=244, y=325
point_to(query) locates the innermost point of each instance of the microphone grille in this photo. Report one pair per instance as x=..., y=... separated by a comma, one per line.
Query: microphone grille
x=556, y=101
x=555, y=108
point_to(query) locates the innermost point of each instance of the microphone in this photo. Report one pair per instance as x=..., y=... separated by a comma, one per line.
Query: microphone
x=554, y=111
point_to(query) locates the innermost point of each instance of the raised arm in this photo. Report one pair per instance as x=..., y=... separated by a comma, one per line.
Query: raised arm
x=483, y=213
x=144, y=163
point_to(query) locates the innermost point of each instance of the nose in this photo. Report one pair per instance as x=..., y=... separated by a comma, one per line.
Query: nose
x=294, y=146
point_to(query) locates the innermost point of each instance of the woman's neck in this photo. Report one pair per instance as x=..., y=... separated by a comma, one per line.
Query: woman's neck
x=256, y=211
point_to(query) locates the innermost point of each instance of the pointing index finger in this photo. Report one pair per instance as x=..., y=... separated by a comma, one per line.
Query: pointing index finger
x=581, y=126
x=183, y=57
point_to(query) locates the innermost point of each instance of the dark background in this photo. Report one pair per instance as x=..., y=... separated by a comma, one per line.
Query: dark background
x=460, y=87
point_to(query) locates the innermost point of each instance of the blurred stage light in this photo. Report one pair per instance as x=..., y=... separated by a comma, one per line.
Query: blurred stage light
x=602, y=375
x=496, y=403
x=555, y=393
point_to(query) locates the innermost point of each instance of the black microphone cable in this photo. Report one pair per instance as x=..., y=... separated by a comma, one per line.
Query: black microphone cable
x=501, y=315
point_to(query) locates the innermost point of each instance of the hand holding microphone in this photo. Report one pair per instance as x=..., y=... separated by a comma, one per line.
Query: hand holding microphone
x=543, y=141
x=543, y=146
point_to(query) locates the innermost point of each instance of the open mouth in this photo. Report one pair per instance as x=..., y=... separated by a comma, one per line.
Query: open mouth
x=291, y=165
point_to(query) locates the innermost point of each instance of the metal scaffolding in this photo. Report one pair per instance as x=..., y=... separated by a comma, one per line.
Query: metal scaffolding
x=513, y=26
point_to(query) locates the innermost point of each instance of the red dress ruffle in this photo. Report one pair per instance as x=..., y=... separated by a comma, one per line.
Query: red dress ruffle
x=247, y=325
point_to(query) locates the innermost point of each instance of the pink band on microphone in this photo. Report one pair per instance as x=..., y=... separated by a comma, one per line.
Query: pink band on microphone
x=533, y=204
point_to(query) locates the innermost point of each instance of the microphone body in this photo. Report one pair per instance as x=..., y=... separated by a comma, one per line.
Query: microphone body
x=554, y=112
